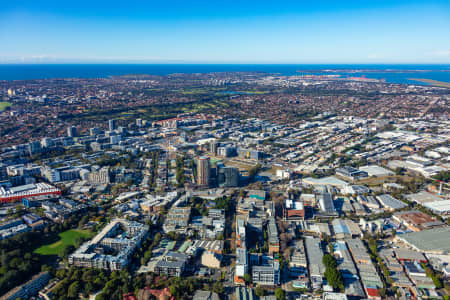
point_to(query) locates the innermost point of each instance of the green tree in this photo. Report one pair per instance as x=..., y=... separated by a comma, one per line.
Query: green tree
x=217, y=287
x=259, y=291
x=67, y=251
x=100, y=296
x=247, y=278
x=74, y=289
x=280, y=294
x=332, y=274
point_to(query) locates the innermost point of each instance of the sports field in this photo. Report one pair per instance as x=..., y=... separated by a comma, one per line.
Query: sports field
x=4, y=105
x=66, y=238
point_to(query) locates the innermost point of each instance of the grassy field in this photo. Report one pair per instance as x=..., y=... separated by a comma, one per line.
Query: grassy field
x=4, y=105
x=66, y=238
x=150, y=112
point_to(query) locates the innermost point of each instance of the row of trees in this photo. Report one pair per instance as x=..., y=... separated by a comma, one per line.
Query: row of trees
x=145, y=251
x=17, y=261
x=332, y=274
x=154, y=168
x=180, y=171
x=254, y=171
x=434, y=276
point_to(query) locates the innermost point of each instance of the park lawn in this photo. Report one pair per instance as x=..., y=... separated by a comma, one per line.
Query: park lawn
x=66, y=238
x=4, y=105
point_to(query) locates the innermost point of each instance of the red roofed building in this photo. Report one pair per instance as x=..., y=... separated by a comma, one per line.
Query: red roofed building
x=163, y=294
x=129, y=296
x=294, y=209
x=373, y=294
x=25, y=191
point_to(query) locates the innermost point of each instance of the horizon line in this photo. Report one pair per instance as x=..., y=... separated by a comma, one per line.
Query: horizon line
x=221, y=63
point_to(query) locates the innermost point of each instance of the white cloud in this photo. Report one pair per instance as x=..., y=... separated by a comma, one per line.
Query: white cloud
x=374, y=56
x=440, y=53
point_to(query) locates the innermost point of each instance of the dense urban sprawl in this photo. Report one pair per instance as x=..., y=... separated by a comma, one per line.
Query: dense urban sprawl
x=224, y=186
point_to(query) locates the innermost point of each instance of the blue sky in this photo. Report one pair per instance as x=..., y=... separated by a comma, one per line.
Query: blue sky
x=375, y=31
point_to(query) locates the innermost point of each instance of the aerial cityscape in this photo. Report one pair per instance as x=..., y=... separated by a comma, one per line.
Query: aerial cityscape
x=145, y=157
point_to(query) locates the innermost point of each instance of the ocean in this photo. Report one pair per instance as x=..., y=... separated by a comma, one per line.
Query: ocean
x=391, y=73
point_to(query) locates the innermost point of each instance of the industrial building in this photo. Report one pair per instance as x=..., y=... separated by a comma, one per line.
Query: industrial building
x=314, y=253
x=416, y=220
x=25, y=191
x=376, y=171
x=390, y=203
x=344, y=229
x=434, y=240
x=351, y=173
x=294, y=209
x=326, y=204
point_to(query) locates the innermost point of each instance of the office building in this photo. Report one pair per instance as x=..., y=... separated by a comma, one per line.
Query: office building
x=101, y=176
x=3, y=172
x=172, y=264
x=11, y=92
x=268, y=275
x=177, y=218
x=47, y=142
x=203, y=171
x=34, y=147
x=228, y=177
x=250, y=154
x=94, y=131
x=213, y=147
x=71, y=131
x=112, y=125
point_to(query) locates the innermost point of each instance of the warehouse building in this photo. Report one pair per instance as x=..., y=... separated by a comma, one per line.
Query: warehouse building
x=433, y=241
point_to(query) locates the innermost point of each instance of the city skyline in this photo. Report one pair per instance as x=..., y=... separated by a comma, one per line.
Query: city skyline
x=210, y=32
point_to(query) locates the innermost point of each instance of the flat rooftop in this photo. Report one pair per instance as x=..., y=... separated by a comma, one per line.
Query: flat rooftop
x=433, y=240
